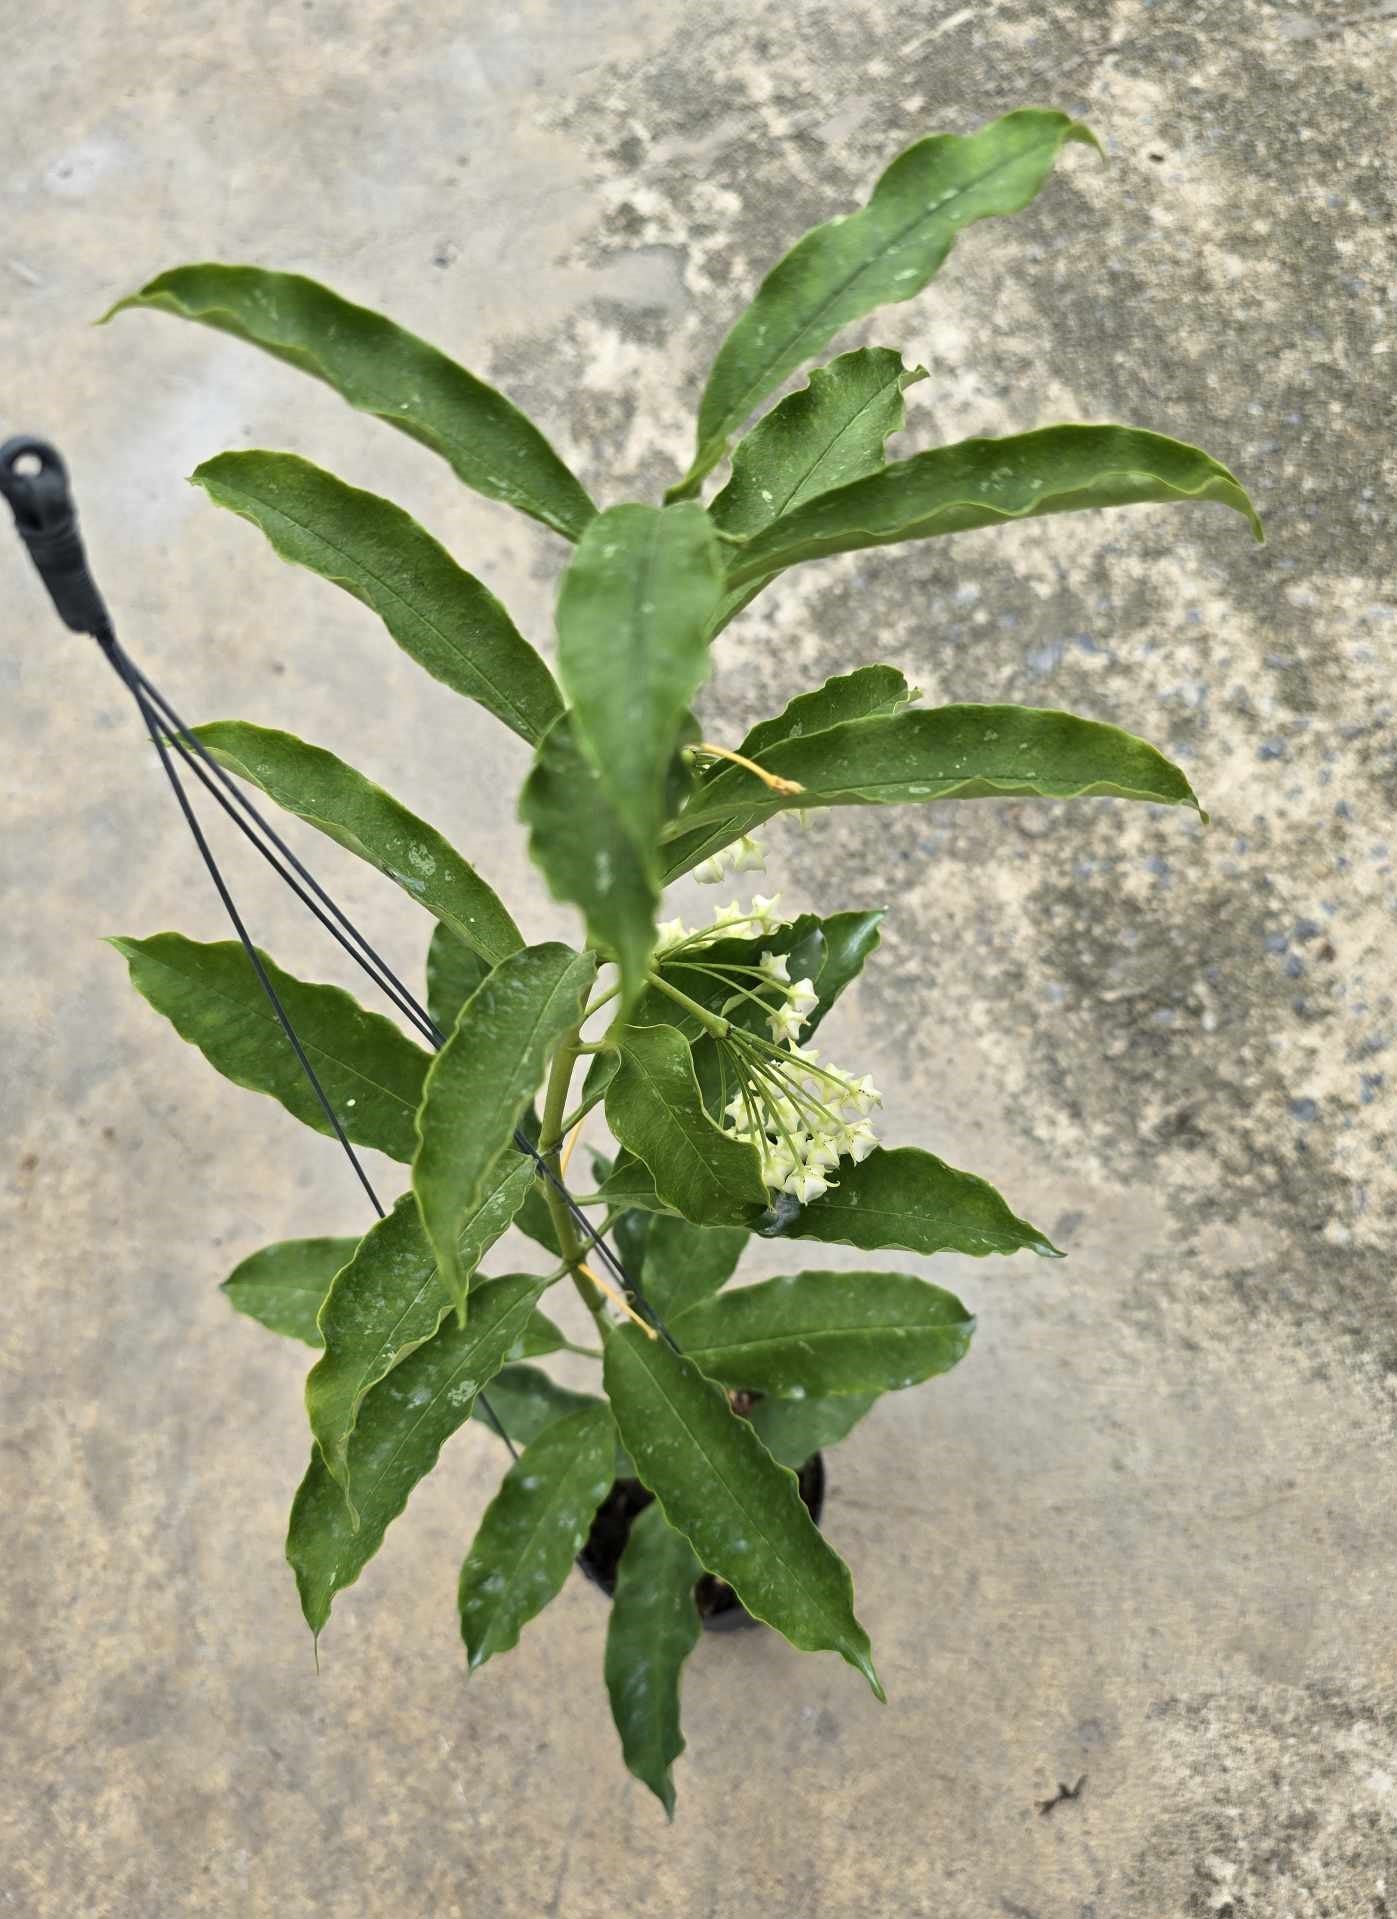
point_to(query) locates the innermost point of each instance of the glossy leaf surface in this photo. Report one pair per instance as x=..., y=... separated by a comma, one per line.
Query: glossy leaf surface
x=654, y=1109
x=454, y=970
x=826, y=1333
x=403, y=1424
x=903, y=1197
x=862, y=694
x=372, y=1074
x=954, y=489
x=320, y=788
x=653, y=1628
x=953, y=752
x=388, y=1299
x=581, y=845
x=739, y=1510
x=685, y=1263
x=793, y=1429
x=440, y=615
x=831, y=432
x=526, y=1400
x=282, y=1286
x=381, y=369
x=481, y=1081
x=634, y=611
x=885, y=253
x=533, y=1529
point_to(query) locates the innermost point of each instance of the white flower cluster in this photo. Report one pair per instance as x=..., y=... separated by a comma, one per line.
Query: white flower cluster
x=729, y=922
x=744, y=856
x=803, y=1134
x=801, y=1116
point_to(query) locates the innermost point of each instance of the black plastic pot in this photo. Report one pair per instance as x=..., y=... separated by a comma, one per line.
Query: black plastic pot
x=720, y=1609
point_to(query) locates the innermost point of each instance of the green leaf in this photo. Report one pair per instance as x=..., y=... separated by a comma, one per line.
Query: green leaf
x=525, y=1401
x=826, y=1333
x=631, y=1184
x=403, y=1424
x=441, y=616
x=633, y=617
x=372, y=1074
x=685, y=1263
x=282, y=1286
x=739, y=1510
x=884, y=254
x=953, y=489
x=954, y=752
x=793, y=1429
x=454, y=971
x=536, y=1222
x=533, y=1530
x=481, y=1081
x=831, y=432
x=578, y=841
x=903, y=1197
x=318, y=787
x=543, y=1336
x=867, y=691
x=388, y=1300
x=380, y=368
x=653, y=1108
x=653, y=1628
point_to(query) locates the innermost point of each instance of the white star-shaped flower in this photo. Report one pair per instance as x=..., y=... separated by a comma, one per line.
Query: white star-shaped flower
x=748, y=856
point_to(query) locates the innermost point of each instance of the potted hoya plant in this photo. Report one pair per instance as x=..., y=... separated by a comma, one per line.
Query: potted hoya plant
x=689, y=1479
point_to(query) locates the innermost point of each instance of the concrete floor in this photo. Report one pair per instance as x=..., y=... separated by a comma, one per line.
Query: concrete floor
x=1145, y=1534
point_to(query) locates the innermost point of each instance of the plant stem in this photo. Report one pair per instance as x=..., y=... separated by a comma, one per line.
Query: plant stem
x=711, y=1023
x=550, y=1141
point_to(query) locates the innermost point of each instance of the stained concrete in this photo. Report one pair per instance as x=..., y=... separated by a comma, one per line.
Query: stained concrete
x=1144, y=1534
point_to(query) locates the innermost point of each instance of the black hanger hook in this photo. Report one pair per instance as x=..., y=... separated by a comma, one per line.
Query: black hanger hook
x=47, y=521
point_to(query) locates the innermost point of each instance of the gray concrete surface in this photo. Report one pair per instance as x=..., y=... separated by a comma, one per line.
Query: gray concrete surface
x=1145, y=1534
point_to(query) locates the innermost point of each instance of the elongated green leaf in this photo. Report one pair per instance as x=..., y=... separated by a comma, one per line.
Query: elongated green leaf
x=525, y=1401
x=587, y=856
x=885, y=253
x=653, y=1108
x=793, y=1429
x=633, y=618
x=953, y=489
x=631, y=1184
x=685, y=1263
x=739, y=1510
x=826, y=1333
x=318, y=787
x=868, y=691
x=481, y=1081
x=829, y=433
x=955, y=752
x=454, y=970
x=403, y=1424
x=282, y=1286
x=533, y=1529
x=903, y=1197
x=388, y=1299
x=371, y=1073
x=380, y=369
x=441, y=616
x=653, y=1628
